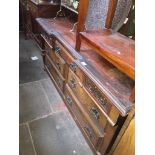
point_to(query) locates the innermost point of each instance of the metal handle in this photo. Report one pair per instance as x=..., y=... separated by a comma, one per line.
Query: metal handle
x=57, y=50
x=73, y=83
x=103, y=102
x=69, y=101
x=95, y=112
x=88, y=130
x=73, y=67
x=48, y=66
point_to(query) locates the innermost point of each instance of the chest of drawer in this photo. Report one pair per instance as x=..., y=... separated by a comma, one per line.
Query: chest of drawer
x=52, y=70
x=80, y=115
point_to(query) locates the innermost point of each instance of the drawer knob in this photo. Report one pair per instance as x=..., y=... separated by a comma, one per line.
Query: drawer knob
x=73, y=83
x=95, y=112
x=88, y=130
x=69, y=101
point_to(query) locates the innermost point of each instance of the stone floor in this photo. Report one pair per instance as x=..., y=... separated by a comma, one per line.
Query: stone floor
x=46, y=127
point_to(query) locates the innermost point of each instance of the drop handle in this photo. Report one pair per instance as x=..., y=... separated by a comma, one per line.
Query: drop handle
x=57, y=50
x=73, y=67
x=69, y=101
x=95, y=113
x=58, y=66
x=88, y=131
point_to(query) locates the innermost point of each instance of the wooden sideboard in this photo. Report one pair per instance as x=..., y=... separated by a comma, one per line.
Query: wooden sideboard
x=96, y=93
x=93, y=72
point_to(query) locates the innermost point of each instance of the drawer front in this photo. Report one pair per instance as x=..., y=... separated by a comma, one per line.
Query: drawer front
x=54, y=73
x=63, y=53
x=103, y=101
x=72, y=104
x=93, y=110
x=56, y=58
x=59, y=63
x=94, y=99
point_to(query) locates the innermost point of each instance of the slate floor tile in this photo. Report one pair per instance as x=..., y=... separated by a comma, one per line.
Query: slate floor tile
x=55, y=100
x=25, y=143
x=23, y=55
x=33, y=102
x=31, y=71
x=58, y=135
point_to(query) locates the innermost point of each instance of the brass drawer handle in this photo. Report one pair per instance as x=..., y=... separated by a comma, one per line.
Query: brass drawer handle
x=48, y=66
x=73, y=67
x=69, y=101
x=88, y=131
x=102, y=101
x=57, y=50
x=73, y=83
x=95, y=113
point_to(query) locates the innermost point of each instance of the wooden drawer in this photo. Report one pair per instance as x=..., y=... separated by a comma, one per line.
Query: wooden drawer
x=81, y=116
x=92, y=108
x=93, y=99
x=103, y=101
x=56, y=58
x=63, y=53
x=54, y=72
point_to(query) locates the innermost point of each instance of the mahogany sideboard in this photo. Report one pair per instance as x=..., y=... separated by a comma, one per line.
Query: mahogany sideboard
x=95, y=91
x=93, y=72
